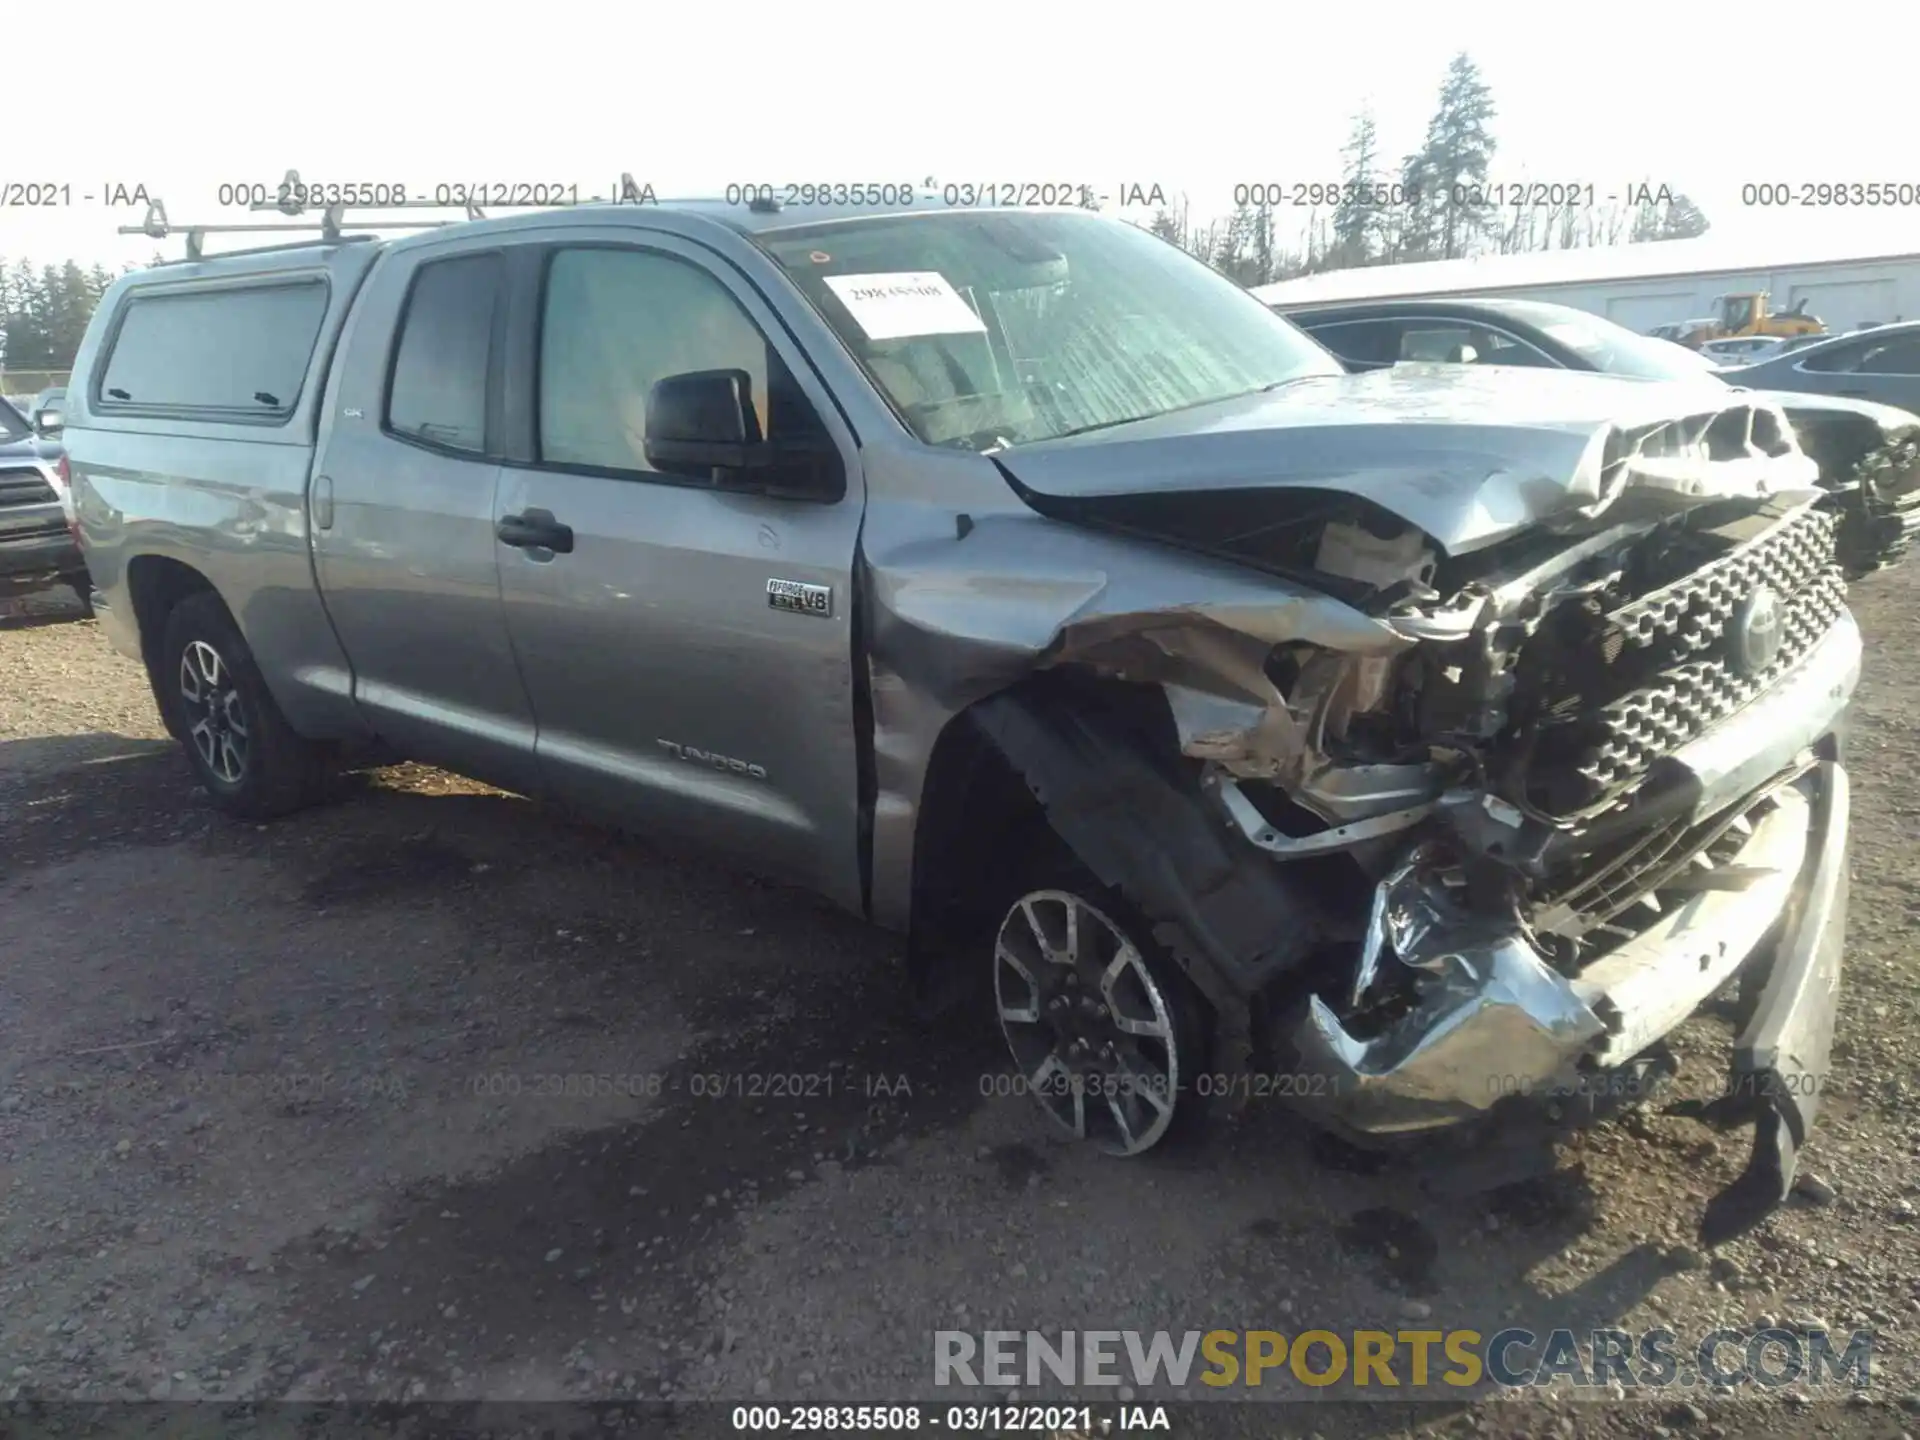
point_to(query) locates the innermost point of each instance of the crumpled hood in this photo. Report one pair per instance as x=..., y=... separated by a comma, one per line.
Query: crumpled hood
x=1469, y=455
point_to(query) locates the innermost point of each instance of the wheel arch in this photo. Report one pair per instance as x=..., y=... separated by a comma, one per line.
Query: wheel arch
x=1095, y=761
x=155, y=585
x=978, y=811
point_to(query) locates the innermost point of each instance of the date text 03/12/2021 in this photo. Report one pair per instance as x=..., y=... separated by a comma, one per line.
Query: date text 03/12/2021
x=697, y=1085
x=1469, y=195
x=1006, y=1419
x=294, y=194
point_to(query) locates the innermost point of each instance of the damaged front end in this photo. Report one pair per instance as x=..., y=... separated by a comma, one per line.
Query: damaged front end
x=1592, y=780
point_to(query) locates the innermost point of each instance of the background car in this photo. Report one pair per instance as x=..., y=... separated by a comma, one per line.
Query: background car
x=38, y=545
x=1374, y=334
x=1740, y=349
x=1849, y=410
x=1879, y=364
x=49, y=413
x=1800, y=342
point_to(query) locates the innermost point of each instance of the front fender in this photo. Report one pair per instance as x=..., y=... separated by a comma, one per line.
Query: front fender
x=959, y=609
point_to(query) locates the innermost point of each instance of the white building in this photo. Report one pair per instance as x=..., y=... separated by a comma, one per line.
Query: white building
x=1654, y=283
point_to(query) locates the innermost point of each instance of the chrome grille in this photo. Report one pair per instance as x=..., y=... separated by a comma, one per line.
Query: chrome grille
x=1597, y=890
x=1643, y=725
x=25, y=486
x=1606, y=693
x=1694, y=610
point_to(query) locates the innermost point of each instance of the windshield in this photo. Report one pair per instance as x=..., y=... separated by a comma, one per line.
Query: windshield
x=1615, y=350
x=12, y=425
x=988, y=329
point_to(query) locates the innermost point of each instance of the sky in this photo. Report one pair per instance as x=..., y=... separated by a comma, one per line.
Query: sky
x=692, y=98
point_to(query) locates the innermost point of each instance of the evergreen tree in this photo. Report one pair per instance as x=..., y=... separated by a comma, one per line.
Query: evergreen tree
x=1457, y=153
x=1358, y=237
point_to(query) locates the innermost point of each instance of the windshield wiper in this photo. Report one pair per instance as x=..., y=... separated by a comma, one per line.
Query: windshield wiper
x=979, y=441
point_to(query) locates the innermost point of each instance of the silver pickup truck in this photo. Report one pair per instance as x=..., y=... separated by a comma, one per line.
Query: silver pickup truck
x=1422, y=747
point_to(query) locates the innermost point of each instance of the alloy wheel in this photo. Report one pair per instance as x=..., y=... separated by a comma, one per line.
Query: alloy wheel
x=217, y=718
x=1090, y=1027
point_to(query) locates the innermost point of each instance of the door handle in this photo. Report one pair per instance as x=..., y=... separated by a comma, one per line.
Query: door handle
x=323, y=502
x=535, y=530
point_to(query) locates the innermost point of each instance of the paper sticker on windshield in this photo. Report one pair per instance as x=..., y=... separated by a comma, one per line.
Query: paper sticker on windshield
x=910, y=302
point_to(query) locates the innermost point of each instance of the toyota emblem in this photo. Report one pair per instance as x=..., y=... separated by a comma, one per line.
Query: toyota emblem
x=1756, y=632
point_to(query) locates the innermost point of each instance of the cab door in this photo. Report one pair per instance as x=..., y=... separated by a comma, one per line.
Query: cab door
x=686, y=639
x=403, y=514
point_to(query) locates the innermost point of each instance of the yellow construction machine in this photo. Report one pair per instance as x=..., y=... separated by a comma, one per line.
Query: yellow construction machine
x=1747, y=313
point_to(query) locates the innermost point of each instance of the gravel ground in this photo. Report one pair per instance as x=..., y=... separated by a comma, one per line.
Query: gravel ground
x=285, y=1112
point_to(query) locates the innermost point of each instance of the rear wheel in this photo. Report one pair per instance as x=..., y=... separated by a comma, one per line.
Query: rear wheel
x=1106, y=1034
x=240, y=745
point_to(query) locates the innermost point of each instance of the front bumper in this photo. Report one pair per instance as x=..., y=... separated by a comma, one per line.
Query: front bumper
x=41, y=557
x=1496, y=1022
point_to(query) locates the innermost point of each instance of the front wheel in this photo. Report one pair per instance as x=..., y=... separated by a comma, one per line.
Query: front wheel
x=248, y=757
x=1105, y=1034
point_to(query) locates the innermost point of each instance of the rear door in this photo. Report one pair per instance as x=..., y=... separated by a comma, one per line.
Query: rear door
x=690, y=658
x=403, y=509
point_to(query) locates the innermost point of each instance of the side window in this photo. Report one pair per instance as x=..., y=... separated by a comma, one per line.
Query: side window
x=1439, y=343
x=1359, y=342
x=615, y=322
x=1839, y=358
x=1460, y=343
x=439, y=388
x=234, y=350
x=1498, y=348
x=1896, y=357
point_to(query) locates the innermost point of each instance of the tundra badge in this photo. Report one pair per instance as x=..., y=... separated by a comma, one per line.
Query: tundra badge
x=800, y=598
x=695, y=756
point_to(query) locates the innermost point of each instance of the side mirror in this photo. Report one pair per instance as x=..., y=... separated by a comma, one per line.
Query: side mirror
x=703, y=420
x=49, y=422
x=703, y=425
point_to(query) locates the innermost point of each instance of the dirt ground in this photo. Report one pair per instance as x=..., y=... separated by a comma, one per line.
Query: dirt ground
x=431, y=1093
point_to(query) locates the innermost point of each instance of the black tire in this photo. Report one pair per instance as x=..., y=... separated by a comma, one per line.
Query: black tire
x=277, y=771
x=82, y=588
x=1051, y=870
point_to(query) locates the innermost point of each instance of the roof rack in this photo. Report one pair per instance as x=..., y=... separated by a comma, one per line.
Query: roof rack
x=331, y=223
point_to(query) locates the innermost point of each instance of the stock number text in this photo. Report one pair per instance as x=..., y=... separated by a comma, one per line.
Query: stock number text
x=891, y=1418
x=1810, y=194
x=250, y=193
